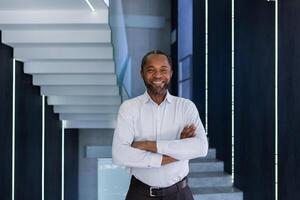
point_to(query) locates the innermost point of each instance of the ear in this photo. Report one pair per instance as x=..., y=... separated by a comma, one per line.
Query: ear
x=171, y=73
x=142, y=74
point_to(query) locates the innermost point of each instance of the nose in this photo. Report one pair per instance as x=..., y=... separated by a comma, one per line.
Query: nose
x=157, y=74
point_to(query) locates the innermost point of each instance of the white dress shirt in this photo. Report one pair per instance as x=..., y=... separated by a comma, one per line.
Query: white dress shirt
x=141, y=119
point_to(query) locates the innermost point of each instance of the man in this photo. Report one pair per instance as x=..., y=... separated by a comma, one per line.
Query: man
x=156, y=136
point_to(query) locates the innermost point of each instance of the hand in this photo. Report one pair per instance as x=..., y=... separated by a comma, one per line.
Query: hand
x=167, y=159
x=145, y=145
x=139, y=145
x=188, y=132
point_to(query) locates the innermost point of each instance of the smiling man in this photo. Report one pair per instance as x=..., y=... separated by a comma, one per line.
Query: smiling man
x=156, y=136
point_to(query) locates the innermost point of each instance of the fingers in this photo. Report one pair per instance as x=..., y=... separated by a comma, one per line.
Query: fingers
x=193, y=132
x=137, y=144
x=188, y=131
x=191, y=129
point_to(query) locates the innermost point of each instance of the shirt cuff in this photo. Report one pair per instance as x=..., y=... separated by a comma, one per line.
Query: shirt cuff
x=155, y=160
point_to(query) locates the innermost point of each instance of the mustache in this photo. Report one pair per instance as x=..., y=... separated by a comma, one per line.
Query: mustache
x=156, y=91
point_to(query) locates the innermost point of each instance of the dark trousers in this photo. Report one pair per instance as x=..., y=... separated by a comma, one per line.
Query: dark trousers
x=137, y=191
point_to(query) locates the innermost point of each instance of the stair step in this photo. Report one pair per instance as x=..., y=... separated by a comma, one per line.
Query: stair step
x=84, y=100
x=62, y=52
x=15, y=37
x=206, y=165
x=217, y=193
x=87, y=117
x=59, y=19
x=86, y=109
x=69, y=66
x=84, y=90
x=90, y=124
x=211, y=154
x=209, y=179
x=74, y=79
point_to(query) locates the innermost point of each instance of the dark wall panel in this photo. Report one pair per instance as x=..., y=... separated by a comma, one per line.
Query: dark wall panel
x=53, y=154
x=28, y=160
x=289, y=100
x=190, y=47
x=6, y=82
x=174, y=48
x=71, y=164
x=219, y=79
x=255, y=99
x=199, y=57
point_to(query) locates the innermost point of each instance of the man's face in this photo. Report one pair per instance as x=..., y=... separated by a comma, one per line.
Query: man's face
x=157, y=74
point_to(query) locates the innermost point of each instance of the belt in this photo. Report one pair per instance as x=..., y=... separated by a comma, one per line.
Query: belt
x=153, y=191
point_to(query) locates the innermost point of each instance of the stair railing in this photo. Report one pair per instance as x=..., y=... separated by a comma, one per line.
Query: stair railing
x=120, y=48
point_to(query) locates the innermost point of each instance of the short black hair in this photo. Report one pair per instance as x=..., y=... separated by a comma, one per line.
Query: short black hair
x=158, y=52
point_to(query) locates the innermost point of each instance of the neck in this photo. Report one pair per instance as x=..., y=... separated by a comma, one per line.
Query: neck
x=157, y=98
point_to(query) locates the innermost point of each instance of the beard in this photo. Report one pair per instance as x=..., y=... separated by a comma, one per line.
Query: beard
x=157, y=90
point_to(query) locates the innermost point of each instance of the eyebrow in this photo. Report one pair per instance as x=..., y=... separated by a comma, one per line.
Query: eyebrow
x=150, y=66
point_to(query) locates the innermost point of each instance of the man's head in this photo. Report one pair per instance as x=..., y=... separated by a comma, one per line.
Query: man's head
x=156, y=71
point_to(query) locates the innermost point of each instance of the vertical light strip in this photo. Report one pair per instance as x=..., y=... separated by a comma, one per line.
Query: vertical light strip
x=276, y=99
x=63, y=161
x=13, y=132
x=206, y=65
x=232, y=89
x=43, y=147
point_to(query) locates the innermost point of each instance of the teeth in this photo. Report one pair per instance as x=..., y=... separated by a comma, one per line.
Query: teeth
x=157, y=82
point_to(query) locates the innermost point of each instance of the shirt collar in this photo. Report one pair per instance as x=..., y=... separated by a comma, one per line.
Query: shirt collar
x=147, y=98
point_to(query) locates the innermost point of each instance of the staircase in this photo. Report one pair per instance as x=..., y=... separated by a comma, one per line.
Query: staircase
x=208, y=181
x=70, y=56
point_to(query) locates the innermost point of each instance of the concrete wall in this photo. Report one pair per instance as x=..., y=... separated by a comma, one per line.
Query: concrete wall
x=87, y=182
x=154, y=33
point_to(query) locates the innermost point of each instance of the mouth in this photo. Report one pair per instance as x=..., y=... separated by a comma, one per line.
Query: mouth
x=157, y=87
x=157, y=83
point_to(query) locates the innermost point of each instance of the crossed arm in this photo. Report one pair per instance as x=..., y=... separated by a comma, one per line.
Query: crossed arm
x=147, y=154
x=151, y=146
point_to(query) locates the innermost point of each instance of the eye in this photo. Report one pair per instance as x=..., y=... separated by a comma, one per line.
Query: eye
x=164, y=71
x=150, y=70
